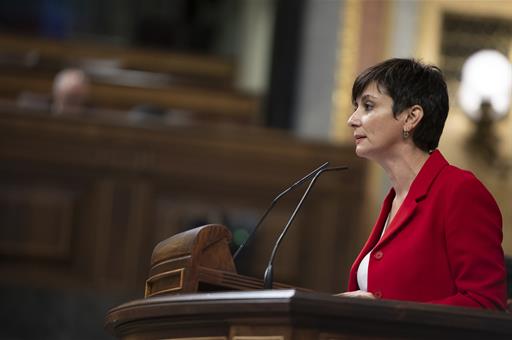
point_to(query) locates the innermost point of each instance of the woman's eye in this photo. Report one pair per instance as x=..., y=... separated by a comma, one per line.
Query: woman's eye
x=368, y=106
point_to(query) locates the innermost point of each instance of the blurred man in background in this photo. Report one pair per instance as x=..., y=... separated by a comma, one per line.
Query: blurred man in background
x=71, y=89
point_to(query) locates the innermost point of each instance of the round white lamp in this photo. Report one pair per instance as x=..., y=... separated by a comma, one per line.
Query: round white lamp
x=486, y=78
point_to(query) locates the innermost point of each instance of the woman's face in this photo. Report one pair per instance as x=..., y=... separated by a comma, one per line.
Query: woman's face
x=377, y=133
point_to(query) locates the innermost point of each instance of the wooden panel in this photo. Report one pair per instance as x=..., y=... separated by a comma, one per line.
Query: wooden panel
x=127, y=188
x=36, y=221
x=43, y=230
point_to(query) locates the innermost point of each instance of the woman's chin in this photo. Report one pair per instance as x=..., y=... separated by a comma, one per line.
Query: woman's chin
x=360, y=152
x=364, y=153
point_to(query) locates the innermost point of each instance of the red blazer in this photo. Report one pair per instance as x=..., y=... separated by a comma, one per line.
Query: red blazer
x=443, y=245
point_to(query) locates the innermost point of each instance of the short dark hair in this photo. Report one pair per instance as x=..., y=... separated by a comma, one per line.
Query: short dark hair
x=410, y=82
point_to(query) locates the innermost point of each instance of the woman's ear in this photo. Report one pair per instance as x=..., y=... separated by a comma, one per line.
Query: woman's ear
x=413, y=117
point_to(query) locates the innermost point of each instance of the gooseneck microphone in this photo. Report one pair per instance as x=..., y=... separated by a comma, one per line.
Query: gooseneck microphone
x=269, y=272
x=274, y=202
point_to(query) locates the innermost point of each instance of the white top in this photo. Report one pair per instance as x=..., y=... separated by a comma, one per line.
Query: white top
x=362, y=273
x=362, y=270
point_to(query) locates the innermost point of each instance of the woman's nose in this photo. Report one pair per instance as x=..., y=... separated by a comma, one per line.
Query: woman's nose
x=352, y=120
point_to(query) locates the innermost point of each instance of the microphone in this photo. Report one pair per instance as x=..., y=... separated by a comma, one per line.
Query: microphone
x=274, y=202
x=269, y=272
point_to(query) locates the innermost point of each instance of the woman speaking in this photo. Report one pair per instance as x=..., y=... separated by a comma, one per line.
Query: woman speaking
x=438, y=236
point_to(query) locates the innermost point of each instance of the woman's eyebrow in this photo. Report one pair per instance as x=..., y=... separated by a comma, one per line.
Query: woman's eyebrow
x=368, y=96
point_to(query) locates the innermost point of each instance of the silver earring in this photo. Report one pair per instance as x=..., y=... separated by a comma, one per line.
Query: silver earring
x=405, y=134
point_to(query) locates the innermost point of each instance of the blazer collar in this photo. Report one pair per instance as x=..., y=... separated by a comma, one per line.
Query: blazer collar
x=428, y=173
x=418, y=191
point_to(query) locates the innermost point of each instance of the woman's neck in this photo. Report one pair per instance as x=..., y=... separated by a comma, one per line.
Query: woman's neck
x=403, y=167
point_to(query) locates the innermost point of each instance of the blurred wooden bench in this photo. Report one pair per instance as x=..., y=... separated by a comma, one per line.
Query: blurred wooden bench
x=217, y=103
x=189, y=65
x=198, y=84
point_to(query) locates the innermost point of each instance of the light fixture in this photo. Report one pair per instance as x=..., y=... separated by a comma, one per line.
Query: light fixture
x=484, y=96
x=486, y=80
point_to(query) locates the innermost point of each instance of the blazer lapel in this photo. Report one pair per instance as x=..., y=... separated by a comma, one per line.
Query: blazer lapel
x=377, y=228
x=403, y=214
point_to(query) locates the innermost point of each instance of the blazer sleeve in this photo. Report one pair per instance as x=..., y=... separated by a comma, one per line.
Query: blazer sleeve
x=473, y=235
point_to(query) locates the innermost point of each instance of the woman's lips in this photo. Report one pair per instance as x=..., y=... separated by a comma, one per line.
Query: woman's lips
x=358, y=139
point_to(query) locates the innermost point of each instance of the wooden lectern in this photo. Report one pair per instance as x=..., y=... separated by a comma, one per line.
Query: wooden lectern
x=197, y=260
x=180, y=304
